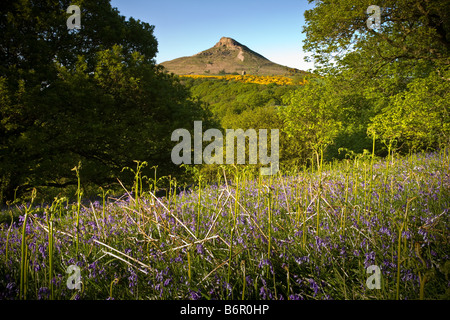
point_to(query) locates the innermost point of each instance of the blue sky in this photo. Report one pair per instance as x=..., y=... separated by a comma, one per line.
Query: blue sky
x=183, y=28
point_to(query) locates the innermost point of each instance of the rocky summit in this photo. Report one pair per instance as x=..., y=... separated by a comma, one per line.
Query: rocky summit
x=227, y=57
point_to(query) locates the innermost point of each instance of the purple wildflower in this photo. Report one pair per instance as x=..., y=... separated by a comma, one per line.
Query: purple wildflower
x=370, y=259
x=313, y=286
x=43, y=293
x=132, y=279
x=200, y=249
x=167, y=282
x=262, y=293
x=195, y=295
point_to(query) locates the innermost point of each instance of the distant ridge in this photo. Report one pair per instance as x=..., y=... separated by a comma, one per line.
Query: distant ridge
x=228, y=57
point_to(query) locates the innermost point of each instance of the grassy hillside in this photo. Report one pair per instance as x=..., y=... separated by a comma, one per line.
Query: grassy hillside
x=227, y=57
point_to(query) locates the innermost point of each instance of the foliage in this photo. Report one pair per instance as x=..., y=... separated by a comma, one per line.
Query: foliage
x=411, y=31
x=311, y=117
x=247, y=105
x=227, y=98
x=93, y=95
x=418, y=117
x=395, y=77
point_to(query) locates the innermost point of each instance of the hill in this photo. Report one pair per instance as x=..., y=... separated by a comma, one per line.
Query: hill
x=228, y=57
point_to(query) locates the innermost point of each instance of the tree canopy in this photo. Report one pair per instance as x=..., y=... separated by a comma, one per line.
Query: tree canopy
x=93, y=95
x=410, y=31
x=391, y=81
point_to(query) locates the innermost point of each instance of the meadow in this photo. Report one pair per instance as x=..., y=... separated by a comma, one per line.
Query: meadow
x=310, y=233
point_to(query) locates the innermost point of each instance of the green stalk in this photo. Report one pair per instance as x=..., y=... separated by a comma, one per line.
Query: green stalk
x=304, y=228
x=387, y=163
x=199, y=205
x=115, y=281
x=344, y=215
x=103, y=203
x=7, y=236
x=269, y=211
x=398, y=262
x=23, y=284
x=50, y=257
x=399, y=247
x=233, y=227
x=174, y=194
x=24, y=253
x=441, y=188
x=319, y=193
x=371, y=171
x=365, y=187
x=288, y=282
x=243, y=278
x=189, y=265
x=270, y=228
x=355, y=183
x=317, y=213
x=236, y=203
x=138, y=186
x=422, y=281
x=274, y=285
x=305, y=211
x=79, y=195
x=259, y=196
x=297, y=196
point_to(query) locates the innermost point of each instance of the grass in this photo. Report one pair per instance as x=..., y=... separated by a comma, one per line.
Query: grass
x=303, y=235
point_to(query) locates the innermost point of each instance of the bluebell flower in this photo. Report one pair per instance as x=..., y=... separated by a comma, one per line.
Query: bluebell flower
x=314, y=286
x=200, y=249
x=43, y=293
x=167, y=282
x=195, y=295
x=262, y=293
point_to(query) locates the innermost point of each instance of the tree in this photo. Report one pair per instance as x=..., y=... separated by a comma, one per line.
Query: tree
x=34, y=34
x=395, y=74
x=417, y=118
x=411, y=31
x=94, y=95
x=311, y=118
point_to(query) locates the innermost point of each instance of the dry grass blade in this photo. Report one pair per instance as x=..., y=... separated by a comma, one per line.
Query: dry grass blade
x=124, y=254
x=191, y=244
x=138, y=225
x=219, y=266
x=249, y=215
x=285, y=194
x=96, y=221
x=218, y=213
x=175, y=217
x=129, y=195
x=121, y=259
